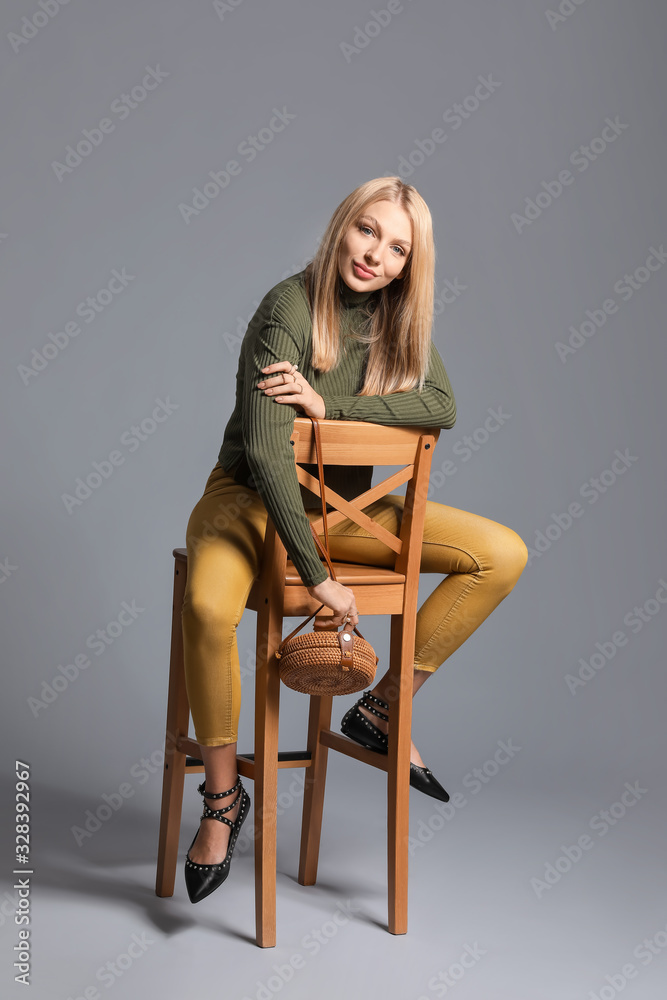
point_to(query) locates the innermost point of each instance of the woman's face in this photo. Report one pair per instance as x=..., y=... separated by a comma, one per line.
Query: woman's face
x=376, y=247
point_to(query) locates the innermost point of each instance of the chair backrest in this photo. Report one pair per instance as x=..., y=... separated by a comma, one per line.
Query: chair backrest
x=354, y=442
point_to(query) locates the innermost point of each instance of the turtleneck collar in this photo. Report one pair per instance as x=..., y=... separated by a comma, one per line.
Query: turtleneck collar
x=349, y=296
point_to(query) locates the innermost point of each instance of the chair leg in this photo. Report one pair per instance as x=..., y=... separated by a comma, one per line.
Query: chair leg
x=267, y=704
x=398, y=774
x=173, y=775
x=319, y=718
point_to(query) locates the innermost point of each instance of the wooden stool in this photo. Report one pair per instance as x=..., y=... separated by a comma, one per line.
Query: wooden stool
x=278, y=592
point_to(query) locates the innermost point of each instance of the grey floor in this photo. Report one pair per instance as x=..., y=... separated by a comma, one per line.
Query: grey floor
x=483, y=922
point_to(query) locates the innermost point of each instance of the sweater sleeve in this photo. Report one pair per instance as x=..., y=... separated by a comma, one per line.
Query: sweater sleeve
x=267, y=427
x=434, y=406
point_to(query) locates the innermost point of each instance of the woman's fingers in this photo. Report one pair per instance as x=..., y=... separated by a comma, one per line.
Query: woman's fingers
x=335, y=621
x=286, y=365
x=277, y=367
x=274, y=382
x=324, y=624
x=272, y=389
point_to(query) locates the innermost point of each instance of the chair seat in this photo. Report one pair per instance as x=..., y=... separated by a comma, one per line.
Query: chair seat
x=348, y=574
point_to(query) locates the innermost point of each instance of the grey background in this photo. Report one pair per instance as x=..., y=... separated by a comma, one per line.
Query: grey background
x=174, y=333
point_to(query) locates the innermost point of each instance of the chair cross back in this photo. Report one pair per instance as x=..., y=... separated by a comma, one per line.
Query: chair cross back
x=345, y=442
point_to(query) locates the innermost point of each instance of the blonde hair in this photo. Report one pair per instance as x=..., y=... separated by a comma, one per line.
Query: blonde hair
x=398, y=329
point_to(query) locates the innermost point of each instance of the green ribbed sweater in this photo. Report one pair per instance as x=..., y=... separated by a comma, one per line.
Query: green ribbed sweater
x=256, y=449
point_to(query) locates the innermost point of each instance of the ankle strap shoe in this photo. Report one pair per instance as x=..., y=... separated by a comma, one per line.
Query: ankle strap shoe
x=357, y=727
x=200, y=879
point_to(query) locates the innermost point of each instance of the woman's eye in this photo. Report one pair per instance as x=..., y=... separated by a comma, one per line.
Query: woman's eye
x=369, y=230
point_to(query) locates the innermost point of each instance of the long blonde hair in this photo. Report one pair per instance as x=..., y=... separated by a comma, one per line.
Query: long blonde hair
x=398, y=329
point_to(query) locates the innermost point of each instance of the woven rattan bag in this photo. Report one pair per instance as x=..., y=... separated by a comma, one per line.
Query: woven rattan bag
x=328, y=661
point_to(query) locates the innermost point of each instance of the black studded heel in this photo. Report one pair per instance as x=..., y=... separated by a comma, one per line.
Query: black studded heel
x=355, y=725
x=202, y=880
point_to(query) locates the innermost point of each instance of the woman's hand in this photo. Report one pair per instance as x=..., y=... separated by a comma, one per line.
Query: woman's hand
x=292, y=388
x=339, y=598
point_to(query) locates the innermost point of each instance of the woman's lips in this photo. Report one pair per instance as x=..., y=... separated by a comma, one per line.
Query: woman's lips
x=361, y=272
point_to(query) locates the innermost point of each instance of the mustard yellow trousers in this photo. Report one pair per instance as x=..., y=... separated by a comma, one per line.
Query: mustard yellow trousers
x=480, y=561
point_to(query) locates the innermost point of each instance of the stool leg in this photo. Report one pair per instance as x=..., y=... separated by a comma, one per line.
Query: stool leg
x=398, y=774
x=319, y=718
x=267, y=704
x=173, y=775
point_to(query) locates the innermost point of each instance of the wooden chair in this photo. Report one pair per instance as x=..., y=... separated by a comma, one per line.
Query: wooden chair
x=278, y=592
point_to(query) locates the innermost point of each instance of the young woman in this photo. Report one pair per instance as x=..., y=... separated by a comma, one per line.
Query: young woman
x=347, y=338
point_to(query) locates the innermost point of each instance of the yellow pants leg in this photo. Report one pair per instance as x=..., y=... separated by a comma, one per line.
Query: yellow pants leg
x=480, y=558
x=224, y=540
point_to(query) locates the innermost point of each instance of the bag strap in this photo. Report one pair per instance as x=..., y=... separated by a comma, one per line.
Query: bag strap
x=324, y=549
x=320, y=471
